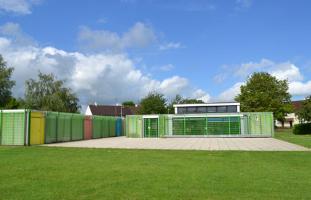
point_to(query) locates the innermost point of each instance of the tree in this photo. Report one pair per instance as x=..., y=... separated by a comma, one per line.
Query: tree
x=128, y=103
x=191, y=101
x=180, y=100
x=153, y=103
x=265, y=93
x=15, y=103
x=47, y=93
x=6, y=83
x=304, y=113
x=177, y=100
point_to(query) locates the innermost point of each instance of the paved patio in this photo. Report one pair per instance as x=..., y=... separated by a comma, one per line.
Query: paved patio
x=242, y=144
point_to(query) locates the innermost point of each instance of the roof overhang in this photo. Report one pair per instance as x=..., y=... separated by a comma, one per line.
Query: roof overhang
x=207, y=104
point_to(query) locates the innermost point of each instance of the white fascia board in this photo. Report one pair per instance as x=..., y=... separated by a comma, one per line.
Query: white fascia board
x=14, y=111
x=207, y=104
x=210, y=115
x=150, y=116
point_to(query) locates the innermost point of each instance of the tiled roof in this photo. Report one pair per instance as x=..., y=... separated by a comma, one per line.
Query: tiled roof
x=297, y=105
x=109, y=110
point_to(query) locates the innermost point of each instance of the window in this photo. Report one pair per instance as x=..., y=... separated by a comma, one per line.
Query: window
x=191, y=110
x=221, y=109
x=201, y=109
x=181, y=110
x=231, y=109
x=211, y=109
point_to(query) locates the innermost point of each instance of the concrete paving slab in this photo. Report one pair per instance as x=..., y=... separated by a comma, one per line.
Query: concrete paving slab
x=214, y=144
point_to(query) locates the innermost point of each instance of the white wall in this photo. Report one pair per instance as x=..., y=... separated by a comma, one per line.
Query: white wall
x=88, y=111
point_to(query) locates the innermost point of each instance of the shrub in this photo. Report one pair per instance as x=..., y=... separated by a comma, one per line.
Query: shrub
x=301, y=129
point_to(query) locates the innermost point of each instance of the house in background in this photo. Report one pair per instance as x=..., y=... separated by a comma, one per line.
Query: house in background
x=111, y=110
x=291, y=118
x=221, y=107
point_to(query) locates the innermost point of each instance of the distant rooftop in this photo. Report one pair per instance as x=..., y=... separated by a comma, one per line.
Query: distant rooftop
x=113, y=110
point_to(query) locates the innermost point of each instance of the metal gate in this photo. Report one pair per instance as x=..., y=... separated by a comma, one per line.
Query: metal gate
x=151, y=127
x=206, y=126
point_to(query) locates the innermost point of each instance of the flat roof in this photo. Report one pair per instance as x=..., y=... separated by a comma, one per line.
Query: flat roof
x=208, y=104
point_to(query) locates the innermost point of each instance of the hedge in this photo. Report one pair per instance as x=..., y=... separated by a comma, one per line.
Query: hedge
x=301, y=129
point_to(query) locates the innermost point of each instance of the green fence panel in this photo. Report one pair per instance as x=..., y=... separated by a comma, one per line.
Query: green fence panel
x=179, y=126
x=218, y=126
x=105, y=127
x=266, y=119
x=254, y=124
x=64, y=127
x=97, y=127
x=118, y=126
x=0, y=126
x=112, y=127
x=195, y=125
x=123, y=127
x=134, y=126
x=151, y=127
x=77, y=129
x=13, y=128
x=234, y=125
x=51, y=127
x=163, y=125
x=244, y=125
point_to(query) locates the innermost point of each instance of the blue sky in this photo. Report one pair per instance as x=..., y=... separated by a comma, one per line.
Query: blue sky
x=110, y=51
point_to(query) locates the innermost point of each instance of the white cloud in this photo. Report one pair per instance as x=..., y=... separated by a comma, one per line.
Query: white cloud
x=230, y=93
x=174, y=85
x=200, y=94
x=287, y=71
x=300, y=88
x=246, y=69
x=243, y=4
x=14, y=32
x=170, y=45
x=283, y=70
x=138, y=36
x=18, y=6
x=167, y=67
x=219, y=78
x=100, y=77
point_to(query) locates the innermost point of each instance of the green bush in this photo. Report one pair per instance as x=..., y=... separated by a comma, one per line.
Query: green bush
x=302, y=129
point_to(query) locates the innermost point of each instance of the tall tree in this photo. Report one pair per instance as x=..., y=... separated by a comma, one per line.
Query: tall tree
x=191, y=101
x=48, y=93
x=177, y=100
x=153, y=103
x=265, y=93
x=6, y=84
x=128, y=103
x=15, y=103
x=304, y=113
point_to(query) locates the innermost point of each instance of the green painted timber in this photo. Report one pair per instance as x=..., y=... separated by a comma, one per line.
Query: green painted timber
x=63, y=127
x=105, y=127
x=51, y=127
x=77, y=129
x=13, y=128
x=97, y=127
x=134, y=126
x=112, y=127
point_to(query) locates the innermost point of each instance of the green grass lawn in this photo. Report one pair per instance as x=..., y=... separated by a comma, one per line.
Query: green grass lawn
x=287, y=135
x=72, y=173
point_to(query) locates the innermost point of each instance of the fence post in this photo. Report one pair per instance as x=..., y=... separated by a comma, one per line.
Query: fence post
x=27, y=127
x=0, y=127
